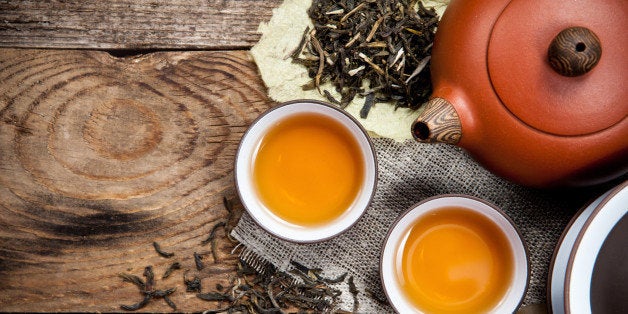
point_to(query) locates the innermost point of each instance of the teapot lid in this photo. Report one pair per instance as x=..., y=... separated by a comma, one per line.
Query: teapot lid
x=545, y=96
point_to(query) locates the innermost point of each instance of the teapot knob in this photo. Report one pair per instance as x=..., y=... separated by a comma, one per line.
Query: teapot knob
x=574, y=51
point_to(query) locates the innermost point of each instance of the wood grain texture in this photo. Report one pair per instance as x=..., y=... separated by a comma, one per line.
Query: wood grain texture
x=574, y=51
x=101, y=156
x=439, y=122
x=133, y=24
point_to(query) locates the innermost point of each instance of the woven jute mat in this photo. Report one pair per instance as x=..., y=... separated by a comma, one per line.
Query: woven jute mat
x=408, y=173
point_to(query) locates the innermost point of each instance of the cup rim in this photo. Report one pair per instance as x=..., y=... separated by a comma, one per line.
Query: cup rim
x=456, y=195
x=370, y=150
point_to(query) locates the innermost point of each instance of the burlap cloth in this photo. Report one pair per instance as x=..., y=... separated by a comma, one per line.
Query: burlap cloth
x=408, y=173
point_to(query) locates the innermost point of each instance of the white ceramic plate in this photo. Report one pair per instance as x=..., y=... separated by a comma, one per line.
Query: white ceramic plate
x=574, y=261
x=587, y=247
x=561, y=256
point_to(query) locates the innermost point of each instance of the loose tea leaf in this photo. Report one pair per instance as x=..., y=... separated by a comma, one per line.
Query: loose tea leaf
x=384, y=44
x=150, y=278
x=211, y=238
x=193, y=285
x=198, y=261
x=212, y=233
x=134, y=280
x=230, y=221
x=354, y=292
x=138, y=305
x=369, y=101
x=160, y=252
x=313, y=274
x=174, y=266
x=244, y=269
x=340, y=278
x=147, y=289
x=258, y=288
x=219, y=287
x=170, y=303
x=274, y=291
x=164, y=293
x=214, y=296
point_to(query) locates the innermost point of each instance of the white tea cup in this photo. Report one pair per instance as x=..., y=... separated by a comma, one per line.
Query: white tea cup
x=457, y=262
x=249, y=191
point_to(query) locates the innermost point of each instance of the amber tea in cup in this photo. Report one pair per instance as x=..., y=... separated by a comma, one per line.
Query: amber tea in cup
x=305, y=171
x=454, y=254
x=308, y=169
x=455, y=259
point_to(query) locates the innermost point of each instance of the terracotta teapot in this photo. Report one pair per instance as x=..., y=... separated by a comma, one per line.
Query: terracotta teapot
x=534, y=90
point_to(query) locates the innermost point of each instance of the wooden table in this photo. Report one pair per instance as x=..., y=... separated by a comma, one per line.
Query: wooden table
x=119, y=122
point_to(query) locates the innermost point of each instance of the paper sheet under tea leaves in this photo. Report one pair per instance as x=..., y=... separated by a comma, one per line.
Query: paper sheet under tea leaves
x=284, y=79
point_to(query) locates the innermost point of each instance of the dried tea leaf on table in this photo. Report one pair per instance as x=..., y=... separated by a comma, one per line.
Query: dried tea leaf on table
x=282, y=35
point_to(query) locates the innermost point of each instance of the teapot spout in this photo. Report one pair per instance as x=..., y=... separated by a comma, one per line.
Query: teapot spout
x=439, y=122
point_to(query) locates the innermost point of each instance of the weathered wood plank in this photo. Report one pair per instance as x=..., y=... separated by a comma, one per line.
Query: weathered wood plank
x=133, y=24
x=101, y=156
